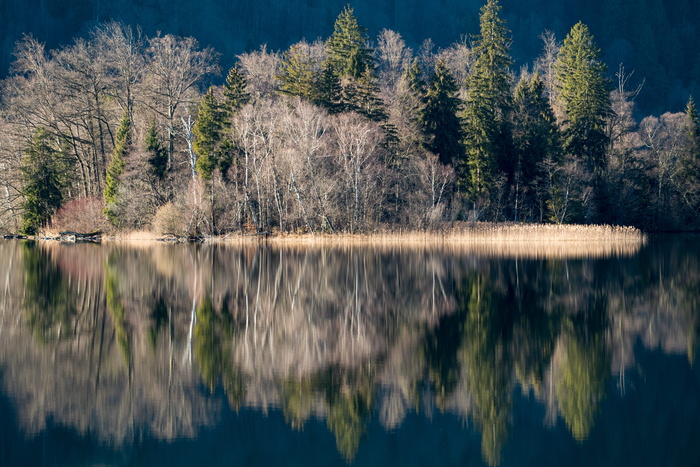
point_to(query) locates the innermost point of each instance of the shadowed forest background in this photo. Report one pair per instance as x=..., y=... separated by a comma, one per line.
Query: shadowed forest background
x=656, y=38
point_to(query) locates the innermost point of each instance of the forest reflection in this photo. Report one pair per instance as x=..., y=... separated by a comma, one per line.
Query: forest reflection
x=125, y=342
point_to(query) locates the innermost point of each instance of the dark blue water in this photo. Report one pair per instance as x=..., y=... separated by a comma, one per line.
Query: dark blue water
x=202, y=355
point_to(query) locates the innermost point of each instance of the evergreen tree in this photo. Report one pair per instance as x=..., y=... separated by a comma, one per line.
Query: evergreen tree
x=535, y=134
x=235, y=91
x=414, y=77
x=208, y=133
x=347, y=48
x=329, y=90
x=157, y=153
x=688, y=178
x=298, y=75
x=365, y=98
x=486, y=103
x=584, y=95
x=43, y=189
x=116, y=168
x=535, y=141
x=439, y=115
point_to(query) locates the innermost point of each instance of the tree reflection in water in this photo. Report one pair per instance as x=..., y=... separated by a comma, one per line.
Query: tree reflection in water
x=337, y=334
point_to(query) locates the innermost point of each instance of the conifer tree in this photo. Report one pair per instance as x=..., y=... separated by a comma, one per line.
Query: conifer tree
x=439, y=116
x=584, y=95
x=414, y=77
x=365, y=98
x=486, y=103
x=347, y=48
x=116, y=168
x=298, y=76
x=235, y=91
x=535, y=134
x=688, y=178
x=208, y=133
x=329, y=90
x=157, y=153
x=43, y=189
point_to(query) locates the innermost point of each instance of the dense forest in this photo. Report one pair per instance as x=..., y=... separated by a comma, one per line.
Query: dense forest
x=126, y=130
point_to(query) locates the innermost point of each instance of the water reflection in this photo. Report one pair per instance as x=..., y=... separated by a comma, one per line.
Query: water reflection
x=132, y=342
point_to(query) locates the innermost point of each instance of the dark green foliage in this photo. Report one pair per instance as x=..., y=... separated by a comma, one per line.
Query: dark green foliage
x=535, y=139
x=157, y=152
x=487, y=103
x=208, y=132
x=235, y=91
x=116, y=168
x=347, y=49
x=329, y=90
x=535, y=132
x=439, y=117
x=363, y=97
x=583, y=93
x=43, y=179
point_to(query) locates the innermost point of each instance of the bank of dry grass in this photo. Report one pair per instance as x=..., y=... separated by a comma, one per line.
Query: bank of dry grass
x=492, y=239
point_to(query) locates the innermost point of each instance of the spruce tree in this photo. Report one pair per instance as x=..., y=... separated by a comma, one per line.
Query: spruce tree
x=439, y=117
x=157, y=153
x=43, y=183
x=688, y=177
x=535, y=134
x=298, y=75
x=235, y=91
x=208, y=133
x=347, y=48
x=329, y=90
x=487, y=103
x=365, y=98
x=116, y=168
x=584, y=96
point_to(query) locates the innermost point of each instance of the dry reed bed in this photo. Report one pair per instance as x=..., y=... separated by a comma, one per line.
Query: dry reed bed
x=483, y=239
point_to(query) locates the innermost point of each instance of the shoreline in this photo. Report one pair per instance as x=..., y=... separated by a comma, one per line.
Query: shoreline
x=480, y=232
x=482, y=239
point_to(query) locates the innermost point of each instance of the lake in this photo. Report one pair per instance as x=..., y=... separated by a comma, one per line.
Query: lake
x=337, y=355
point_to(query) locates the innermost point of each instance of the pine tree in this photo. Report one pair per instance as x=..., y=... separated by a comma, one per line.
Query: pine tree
x=298, y=75
x=583, y=94
x=157, y=153
x=116, y=168
x=347, y=48
x=208, y=133
x=439, y=116
x=43, y=188
x=487, y=103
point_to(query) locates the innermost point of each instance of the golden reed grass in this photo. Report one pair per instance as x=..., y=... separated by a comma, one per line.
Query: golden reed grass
x=481, y=238
x=484, y=239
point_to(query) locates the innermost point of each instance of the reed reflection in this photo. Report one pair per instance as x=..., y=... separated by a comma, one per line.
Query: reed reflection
x=122, y=341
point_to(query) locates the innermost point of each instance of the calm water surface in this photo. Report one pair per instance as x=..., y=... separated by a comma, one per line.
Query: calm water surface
x=187, y=355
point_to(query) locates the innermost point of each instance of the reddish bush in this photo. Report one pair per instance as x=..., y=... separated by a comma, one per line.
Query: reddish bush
x=82, y=215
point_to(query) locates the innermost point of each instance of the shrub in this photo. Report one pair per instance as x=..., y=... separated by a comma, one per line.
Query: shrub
x=82, y=215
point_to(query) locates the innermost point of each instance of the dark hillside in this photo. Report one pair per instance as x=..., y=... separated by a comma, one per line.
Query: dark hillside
x=656, y=38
